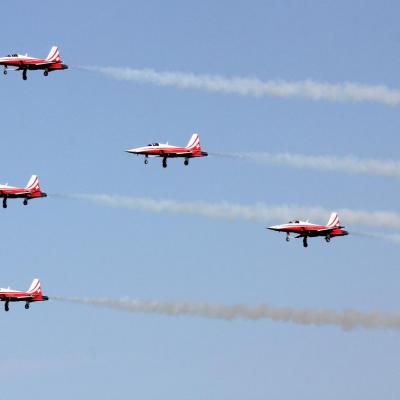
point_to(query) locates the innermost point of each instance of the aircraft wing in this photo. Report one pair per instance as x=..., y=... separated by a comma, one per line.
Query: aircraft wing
x=326, y=230
x=41, y=63
x=143, y=153
x=15, y=298
x=13, y=193
x=185, y=154
x=21, y=64
x=173, y=154
x=163, y=153
x=15, y=67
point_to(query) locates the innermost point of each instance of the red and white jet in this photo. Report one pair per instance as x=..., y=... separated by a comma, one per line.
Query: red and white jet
x=24, y=63
x=304, y=229
x=193, y=149
x=31, y=191
x=34, y=293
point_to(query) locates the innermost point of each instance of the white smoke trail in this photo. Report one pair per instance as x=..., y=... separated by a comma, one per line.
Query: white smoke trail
x=349, y=164
x=259, y=212
x=307, y=89
x=347, y=320
x=393, y=238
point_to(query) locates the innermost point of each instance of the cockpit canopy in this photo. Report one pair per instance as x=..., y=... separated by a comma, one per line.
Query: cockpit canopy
x=153, y=144
x=12, y=55
x=294, y=222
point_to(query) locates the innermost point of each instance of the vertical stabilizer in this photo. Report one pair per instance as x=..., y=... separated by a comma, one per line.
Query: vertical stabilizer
x=33, y=184
x=35, y=288
x=194, y=142
x=333, y=220
x=54, y=55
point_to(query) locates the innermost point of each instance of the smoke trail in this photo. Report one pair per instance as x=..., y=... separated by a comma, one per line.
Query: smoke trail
x=259, y=212
x=307, y=89
x=347, y=320
x=349, y=164
x=393, y=238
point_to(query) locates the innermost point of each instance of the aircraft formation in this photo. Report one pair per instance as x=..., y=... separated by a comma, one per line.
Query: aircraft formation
x=53, y=62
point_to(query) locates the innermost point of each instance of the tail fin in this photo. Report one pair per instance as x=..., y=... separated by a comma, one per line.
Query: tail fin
x=33, y=184
x=334, y=221
x=35, y=289
x=54, y=55
x=194, y=142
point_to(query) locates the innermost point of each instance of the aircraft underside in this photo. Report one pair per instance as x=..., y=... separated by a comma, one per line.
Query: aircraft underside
x=26, y=68
x=16, y=300
x=306, y=235
x=165, y=157
x=25, y=71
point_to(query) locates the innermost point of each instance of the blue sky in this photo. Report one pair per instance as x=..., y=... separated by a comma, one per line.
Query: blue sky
x=72, y=128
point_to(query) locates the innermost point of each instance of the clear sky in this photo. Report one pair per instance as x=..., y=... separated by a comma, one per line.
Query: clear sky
x=72, y=128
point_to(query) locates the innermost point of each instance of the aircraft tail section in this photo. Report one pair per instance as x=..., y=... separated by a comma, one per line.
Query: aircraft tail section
x=35, y=290
x=194, y=142
x=33, y=184
x=33, y=187
x=334, y=221
x=54, y=55
x=194, y=146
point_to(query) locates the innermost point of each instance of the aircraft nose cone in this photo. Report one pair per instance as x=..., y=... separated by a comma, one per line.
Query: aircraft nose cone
x=273, y=228
x=134, y=150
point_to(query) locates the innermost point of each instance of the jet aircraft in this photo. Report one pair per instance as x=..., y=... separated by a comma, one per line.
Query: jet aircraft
x=31, y=191
x=24, y=63
x=34, y=293
x=193, y=149
x=304, y=229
